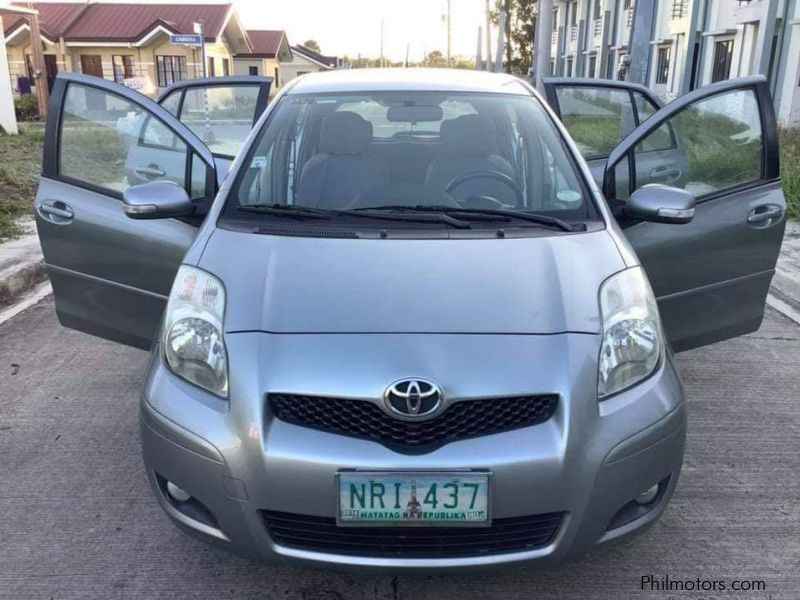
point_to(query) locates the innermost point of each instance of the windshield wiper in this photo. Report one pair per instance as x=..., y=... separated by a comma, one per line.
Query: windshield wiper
x=432, y=217
x=303, y=212
x=287, y=210
x=494, y=214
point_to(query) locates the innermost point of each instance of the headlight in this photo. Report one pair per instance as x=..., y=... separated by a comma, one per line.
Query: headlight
x=193, y=341
x=632, y=338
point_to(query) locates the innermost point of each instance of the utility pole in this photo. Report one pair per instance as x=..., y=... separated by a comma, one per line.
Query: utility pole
x=501, y=42
x=544, y=28
x=644, y=12
x=381, y=62
x=39, y=68
x=478, y=54
x=449, y=32
x=408, y=49
x=488, y=37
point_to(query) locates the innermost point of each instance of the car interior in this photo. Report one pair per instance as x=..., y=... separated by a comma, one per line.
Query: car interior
x=402, y=150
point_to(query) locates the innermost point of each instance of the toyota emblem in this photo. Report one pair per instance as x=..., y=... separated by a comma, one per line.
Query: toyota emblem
x=413, y=398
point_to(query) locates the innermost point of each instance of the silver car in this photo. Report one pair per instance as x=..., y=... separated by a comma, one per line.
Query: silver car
x=398, y=322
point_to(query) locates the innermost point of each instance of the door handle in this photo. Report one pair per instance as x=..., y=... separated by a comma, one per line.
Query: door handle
x=671, y=173
x=56, y=211
x=150, y=171
x=765, y=215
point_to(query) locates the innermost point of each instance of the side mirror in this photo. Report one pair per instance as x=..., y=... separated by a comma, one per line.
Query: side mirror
x=157, y=200
x=660, y=204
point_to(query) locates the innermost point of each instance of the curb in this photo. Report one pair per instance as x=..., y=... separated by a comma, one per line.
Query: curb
x=21, y=268
x=19, y=279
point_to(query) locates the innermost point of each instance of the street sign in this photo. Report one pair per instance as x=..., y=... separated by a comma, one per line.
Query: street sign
x=186, y=39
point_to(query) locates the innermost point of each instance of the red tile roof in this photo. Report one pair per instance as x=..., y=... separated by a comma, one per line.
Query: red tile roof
x=130, y=22
x=54, y=17
x=266, y=43
x=120, y=22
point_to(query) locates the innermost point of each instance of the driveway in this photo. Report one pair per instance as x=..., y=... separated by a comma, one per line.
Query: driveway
x=77, y=519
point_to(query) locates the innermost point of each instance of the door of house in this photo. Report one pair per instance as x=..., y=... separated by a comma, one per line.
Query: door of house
x=52, y=70
x=92, y=64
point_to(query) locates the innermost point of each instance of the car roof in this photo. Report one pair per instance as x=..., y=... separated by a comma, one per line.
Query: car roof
x=412, y=79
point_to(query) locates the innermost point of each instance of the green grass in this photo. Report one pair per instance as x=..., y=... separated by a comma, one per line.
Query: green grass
x=20, y=166
x=790, y=170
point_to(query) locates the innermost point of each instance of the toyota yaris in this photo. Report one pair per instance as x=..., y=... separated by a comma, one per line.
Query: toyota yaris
x=395, y=320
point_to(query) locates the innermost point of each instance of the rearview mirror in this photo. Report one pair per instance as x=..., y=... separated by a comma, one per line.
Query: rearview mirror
x=660, y=204
x=156, y=200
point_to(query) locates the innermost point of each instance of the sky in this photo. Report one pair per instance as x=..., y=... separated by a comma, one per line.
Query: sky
x=352, y=26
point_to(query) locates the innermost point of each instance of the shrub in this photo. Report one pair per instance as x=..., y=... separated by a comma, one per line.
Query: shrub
x=27, y=108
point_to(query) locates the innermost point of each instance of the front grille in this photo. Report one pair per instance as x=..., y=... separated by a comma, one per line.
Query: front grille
x=320, y=534
x=364, y=419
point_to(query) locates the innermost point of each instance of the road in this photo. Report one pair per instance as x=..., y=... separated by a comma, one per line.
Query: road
x=77, y=519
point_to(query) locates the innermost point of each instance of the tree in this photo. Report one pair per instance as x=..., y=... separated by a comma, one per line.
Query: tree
x=435, y=59
x=520, y=28
x=312, y=45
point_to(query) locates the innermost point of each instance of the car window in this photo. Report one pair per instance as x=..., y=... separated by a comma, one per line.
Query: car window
x=597, y=118
x=720, y=146
x=337, y=152
x=663, y=137
x=111, y=143
x=172, y=103
x=222, y=116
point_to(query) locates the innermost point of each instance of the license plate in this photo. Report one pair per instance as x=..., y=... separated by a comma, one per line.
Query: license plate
x=399, y=499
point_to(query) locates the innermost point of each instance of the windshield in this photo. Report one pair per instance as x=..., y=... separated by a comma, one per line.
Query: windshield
x=410, y=151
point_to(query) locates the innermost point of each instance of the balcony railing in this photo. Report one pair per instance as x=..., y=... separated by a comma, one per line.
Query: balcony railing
x=679, y=9
x=573, y=33
x=598, y=27
x=629, y=22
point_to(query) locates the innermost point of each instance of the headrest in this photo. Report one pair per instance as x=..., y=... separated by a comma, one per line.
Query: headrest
x=469, y=135
x=345, y=133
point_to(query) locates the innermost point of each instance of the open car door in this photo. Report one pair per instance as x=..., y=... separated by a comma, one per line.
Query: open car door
x=111, y=275
x=599, y=113
x=720, y=142
x=221, y=111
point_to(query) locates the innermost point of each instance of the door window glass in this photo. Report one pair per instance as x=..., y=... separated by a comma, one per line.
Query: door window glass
x=108, y=142
x=221, y=116
x=596, y=118
x=720, y=145
x=662, y=138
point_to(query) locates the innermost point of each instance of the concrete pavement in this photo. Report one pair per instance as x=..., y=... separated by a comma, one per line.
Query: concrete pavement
x=77, y=519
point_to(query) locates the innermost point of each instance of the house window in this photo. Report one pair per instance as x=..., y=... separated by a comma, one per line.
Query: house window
x=598, y=5
x=277, y=78
x=555, y=19
x=211, y=70
x=226, y=67
x=627, y=5
x=723, y=53
x=568, y=68
x=252, y=70
x=170, y=69
x=662, y=67
x=592, y=66
x=573, y=14
x=123, y=67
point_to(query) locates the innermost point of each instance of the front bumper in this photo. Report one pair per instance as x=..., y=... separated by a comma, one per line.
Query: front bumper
x=588, y=461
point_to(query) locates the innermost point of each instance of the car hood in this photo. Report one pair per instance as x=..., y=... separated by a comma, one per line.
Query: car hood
x=537, y=285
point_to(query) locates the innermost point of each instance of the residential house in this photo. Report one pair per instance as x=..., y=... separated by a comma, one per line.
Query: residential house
x=304, y=60
x=128, y=43
x=691, y=43
x=268, y=52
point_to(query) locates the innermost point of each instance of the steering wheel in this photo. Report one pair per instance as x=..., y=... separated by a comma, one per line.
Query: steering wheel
x=496, y=175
